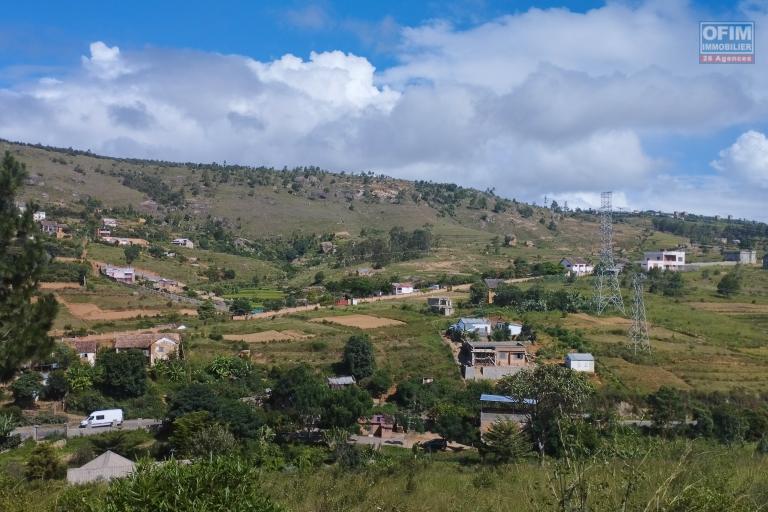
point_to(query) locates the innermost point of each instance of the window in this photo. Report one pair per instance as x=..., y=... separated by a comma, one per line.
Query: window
x=100, y=417
x=160, y=350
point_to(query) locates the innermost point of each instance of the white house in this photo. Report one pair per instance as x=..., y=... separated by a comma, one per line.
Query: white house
x=665, y=260
x=108, y=222
x=478, y=325
x=580, y=362
x=120, y=274
x=577, y=266
x=183, y=242
x=402, y=288
x=38, y=216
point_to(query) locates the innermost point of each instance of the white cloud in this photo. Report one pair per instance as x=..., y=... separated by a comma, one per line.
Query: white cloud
x=105, y=62
x=746, y=159
x=545, y=101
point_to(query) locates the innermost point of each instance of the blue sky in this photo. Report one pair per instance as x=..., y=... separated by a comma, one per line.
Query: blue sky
x=532, y=98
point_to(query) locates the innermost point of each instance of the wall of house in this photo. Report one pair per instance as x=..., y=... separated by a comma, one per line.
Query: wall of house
x=582, y=366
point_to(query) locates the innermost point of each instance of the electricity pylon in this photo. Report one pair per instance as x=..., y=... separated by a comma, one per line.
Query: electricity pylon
x=607, y=290
x=638, y=333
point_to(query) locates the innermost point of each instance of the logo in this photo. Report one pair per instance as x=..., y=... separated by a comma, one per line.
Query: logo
x=727, y=42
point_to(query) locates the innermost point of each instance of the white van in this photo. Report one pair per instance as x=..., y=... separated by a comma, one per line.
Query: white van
x=108, y=417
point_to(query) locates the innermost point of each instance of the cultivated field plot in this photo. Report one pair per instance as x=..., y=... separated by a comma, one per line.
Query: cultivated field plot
x=730, y=308
x=360, y=321
x=268, y=336
x=60, y=286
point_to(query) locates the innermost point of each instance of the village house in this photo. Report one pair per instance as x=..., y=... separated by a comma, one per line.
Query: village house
x=105, y=467
x=765, y=262
x=53, y=228
x=86, y=349
x=183, y=242
x=38, y=216
x=123, y=241
x=108, y=222
x=513, y=329
x=492, y=285
x=492, y=360
x=101, y=233
x=665, y=260
x=744, y=257
x=482, y=326
x=580, y=362
x=402, y=288
x=327, y=247
x=341, y=382
x=440, y=305
x=495, y=408
x=124, y=275
x=577, y=266
x=364, y=272
x=379, y=425
x=156, y=346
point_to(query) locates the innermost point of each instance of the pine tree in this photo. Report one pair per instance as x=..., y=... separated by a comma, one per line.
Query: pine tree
x=26, y=315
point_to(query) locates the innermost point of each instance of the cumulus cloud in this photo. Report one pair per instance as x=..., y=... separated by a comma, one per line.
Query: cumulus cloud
x=544, y=101
x=746, y=159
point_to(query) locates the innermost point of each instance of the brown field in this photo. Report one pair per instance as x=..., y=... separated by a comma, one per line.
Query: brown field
x=267, y=336
x=87, y=311
x=730, y=308
x=360, y=321
x=60, y=286
x=583, y=320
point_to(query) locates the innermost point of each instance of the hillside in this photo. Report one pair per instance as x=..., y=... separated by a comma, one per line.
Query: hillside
x=263, y=202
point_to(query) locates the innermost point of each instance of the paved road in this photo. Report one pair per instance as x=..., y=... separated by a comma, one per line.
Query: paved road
x=75, y=431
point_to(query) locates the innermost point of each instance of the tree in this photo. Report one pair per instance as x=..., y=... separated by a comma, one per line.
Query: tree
x=667, y=407
x=44, y=464
x=504, y=442
x=344, y=406
x=27, y=388
x=56, y=386
x=379, y=383
x=730, y=284
x=131, y=253
x=546, y=395
x=299, y=395
x=478, y=293
x=359, y=359
x=26, y=315
x=212, y=440
x=455, y=423
x=319, y=277
x=206, y=311
x=123, y=374
x=240, y=306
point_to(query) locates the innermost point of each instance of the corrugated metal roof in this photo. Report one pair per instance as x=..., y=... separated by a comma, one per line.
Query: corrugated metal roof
x=485, y=397
x=580, y=357
x=341, y=381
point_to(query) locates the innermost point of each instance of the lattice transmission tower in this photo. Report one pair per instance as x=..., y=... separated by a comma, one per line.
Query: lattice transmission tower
x=607, y=290
x=638, y=333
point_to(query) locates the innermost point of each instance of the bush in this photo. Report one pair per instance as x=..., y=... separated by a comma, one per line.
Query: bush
x=44, y=464
x=26, y=389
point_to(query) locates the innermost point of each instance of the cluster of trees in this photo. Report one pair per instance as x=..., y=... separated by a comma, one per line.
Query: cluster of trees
x=670, y=284
x=729, y=419
x=708, y=230
x=535, y=298
x=154, y=186
x=399, y=245
x=59, y=271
